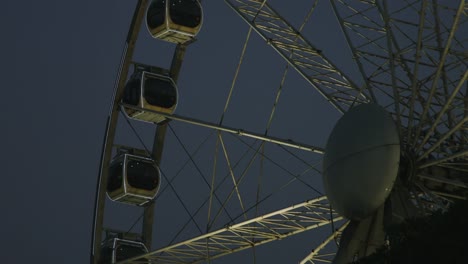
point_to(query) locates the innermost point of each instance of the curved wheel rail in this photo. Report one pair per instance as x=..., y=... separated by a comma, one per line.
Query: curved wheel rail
x=97, y=229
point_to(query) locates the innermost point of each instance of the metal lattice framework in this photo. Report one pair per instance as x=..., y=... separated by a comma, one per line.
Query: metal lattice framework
x=309, y=61
x=420, y=63
x=411, y=57
x=260, y=230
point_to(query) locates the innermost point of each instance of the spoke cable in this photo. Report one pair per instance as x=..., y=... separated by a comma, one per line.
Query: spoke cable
x=164, y=176
x=281, y=167
x=415, y=81
x=241, y=59
x=262, y=200
x=313, y=167
x=196, y=165
x=231, y=172
x=240, y=179
x=208, y=199
x=148, y=152
x=212, y=187
x=440, y=68
x=186, y=163
x=236, y=74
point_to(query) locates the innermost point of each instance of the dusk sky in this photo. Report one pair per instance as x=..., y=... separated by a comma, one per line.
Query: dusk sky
x=60, y=60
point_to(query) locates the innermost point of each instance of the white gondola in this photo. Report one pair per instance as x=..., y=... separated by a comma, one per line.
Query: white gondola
x=116, y=249
x=176, y=21
x=133, y=179
x=150, y=91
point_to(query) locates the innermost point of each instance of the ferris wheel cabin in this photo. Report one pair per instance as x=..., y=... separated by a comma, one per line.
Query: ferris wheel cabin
x=176, y=21
x=116, y=249
x=133, y=179
x=150, y=91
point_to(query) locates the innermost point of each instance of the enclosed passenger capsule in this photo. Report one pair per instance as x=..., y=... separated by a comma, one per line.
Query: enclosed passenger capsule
x=133, y=179
x=116, y=249
x=150, y=91
x=175, y=21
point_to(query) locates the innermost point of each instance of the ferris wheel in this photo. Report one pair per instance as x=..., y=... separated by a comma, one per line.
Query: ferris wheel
x=241, y=182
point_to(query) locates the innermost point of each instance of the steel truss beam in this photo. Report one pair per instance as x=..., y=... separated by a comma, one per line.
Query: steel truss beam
x=318, y=255
x=257, y=231
x=309, y=61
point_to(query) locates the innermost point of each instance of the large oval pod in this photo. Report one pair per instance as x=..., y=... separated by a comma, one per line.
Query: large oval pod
x=361, y=161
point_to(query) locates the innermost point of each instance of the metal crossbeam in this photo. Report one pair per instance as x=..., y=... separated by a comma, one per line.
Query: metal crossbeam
x=236, y=131
x=309, y=61
x=260, y=230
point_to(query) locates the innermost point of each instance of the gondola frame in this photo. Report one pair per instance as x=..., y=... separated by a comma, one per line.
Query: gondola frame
x=172, y=32
x=114, y=242
x=128, y=194
x=147, y=116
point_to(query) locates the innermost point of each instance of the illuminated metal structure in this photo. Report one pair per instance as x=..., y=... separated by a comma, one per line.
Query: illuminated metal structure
x=409, y=58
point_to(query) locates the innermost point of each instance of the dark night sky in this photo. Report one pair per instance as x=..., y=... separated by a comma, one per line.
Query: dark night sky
x=59, y=62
